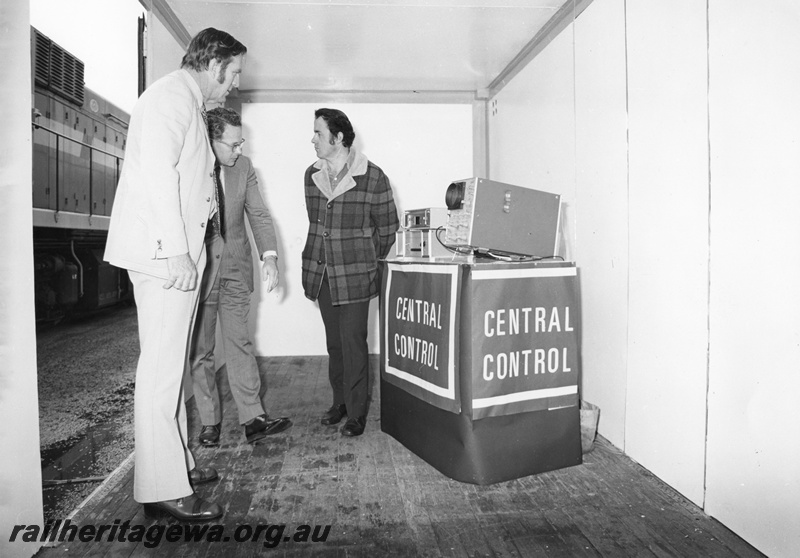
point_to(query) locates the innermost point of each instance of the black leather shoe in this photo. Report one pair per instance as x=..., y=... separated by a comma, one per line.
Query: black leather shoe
x=201, y=475
x=263, y=426
x=190, y=508
x=354, y=426
x=209, y=435
x=334, y=415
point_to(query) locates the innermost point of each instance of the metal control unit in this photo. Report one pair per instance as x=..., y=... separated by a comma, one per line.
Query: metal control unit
x=427, y=218
x=420, y=243
x=492, y=216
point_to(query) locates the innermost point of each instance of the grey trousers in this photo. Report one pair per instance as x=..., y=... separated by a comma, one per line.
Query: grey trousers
x=229, y=299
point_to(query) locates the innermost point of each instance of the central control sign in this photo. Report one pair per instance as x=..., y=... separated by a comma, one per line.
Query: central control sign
x=419, y=312
x=524, y=340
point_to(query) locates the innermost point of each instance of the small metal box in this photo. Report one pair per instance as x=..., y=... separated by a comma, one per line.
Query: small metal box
x=426, y=218
x=420, y=243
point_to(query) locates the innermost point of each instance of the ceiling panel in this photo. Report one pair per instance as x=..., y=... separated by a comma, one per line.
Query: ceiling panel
x=382, y=45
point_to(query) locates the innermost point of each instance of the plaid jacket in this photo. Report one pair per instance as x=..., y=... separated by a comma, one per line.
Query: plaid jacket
x=349, y=232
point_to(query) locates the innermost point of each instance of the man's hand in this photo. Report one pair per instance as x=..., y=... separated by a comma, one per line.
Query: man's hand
x=182, y=273
x=269, y=272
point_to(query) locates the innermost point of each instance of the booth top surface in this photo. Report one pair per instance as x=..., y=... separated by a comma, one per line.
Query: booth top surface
x=474, y=262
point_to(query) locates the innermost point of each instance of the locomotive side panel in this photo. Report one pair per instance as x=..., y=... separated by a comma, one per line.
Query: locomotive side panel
x=44, y=164
x=78, y=145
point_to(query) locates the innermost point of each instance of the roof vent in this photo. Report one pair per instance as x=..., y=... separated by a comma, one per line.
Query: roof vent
x=41, y=58
x=58, y=70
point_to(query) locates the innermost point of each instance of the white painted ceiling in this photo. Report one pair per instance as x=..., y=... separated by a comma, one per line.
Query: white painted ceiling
x=371, y=45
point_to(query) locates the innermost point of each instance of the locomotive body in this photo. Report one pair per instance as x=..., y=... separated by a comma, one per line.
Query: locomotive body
x=78, y=147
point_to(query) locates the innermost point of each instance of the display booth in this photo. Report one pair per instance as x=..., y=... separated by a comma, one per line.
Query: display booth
x=480, y=365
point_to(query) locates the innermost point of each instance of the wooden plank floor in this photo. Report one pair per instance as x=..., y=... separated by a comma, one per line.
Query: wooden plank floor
x=381, y=500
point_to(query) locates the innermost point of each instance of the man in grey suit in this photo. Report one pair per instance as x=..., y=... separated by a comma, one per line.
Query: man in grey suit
x=226, y=288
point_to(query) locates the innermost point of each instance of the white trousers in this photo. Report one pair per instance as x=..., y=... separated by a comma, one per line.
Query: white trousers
x=162, y=458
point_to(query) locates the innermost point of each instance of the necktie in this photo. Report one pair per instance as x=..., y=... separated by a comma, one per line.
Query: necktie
x=219, y=194
x=219, y=216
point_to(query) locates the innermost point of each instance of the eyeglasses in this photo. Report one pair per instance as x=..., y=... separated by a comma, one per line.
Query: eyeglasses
x=233, y=146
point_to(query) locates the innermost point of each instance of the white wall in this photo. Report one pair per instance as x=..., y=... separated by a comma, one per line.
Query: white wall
x=629, y=153
x=539, y=98
x=668, y=233
x=753, y=479
x=420, y=147
x=601, y=215
x=20, y=468
x=164, y=53
x=686, y=233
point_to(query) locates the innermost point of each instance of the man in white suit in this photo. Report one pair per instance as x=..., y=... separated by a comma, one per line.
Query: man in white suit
x=226, y=287
x=164, y=201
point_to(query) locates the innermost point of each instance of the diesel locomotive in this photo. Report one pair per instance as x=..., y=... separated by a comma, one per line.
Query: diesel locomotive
x=78, y=148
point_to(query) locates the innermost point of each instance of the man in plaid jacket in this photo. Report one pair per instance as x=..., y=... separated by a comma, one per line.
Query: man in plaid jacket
x=352, y=223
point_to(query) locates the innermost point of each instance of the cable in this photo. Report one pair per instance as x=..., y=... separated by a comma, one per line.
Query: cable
x=471, y=250
x=520, y=257
x=462, y=250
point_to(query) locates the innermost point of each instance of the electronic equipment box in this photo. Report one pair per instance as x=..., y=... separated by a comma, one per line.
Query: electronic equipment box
x=426, y=218
x=491, y=216
x=420, y=243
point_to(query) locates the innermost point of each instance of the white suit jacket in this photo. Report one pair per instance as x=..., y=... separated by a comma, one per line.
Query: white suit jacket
x=166, y=190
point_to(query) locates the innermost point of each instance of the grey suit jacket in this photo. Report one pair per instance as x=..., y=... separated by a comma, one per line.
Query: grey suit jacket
x=242, y=197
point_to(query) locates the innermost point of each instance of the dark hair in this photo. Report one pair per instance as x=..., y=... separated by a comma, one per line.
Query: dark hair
x=211, y=44
x=337, y=121
x=219, y=118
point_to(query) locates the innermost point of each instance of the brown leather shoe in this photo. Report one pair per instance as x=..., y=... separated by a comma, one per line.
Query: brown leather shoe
x=189, y=508
x=209, y=435
x=354, y=426
x=201, y=475
x=334, y=415
x=263, y=426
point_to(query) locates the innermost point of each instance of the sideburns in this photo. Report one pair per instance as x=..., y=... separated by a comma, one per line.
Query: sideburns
x=222, y=70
